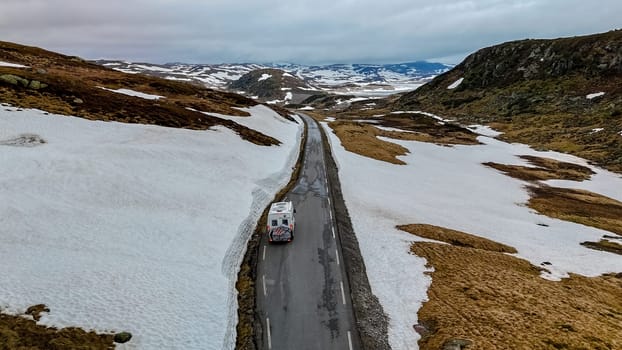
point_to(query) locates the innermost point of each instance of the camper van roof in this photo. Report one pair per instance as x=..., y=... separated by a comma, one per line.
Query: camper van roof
x=281, y=207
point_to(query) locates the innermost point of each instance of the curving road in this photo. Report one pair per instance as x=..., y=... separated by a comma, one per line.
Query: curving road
x=303, y=297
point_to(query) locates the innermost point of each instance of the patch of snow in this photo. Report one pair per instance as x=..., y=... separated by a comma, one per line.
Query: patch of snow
x=141, y=225
x=484, y=130
x=357, y=99
x=170, y=77
x=134, y=93
x=595, y=130
x=330, y=119
x=455, y=84
x=431, y=115
x=386, y=128
x=594, y=95
x=288, y=96
x=264, y=77
x=307, y=108
x=481, y=201
x=12, y=65
x=285, y=89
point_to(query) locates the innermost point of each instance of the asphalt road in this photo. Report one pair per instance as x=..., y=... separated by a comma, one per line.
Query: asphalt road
x=303, y=296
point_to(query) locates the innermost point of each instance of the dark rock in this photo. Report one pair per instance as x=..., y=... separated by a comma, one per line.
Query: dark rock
x=422, y=330
x=545, y=263
x=36, y=85
x=36, y=310
x=122, y=337
x=456, y=344
x=14, y=80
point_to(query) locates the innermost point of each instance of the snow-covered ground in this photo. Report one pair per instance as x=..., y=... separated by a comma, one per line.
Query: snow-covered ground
x=134, y=93
x=265, y=77
x=133, y=227
x=449, y=187
x=455, y=84
x=594, y=95
x=12, y=65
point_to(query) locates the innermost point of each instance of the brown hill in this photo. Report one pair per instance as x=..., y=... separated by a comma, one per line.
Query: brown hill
x=268, y=84
x=68, y=85
x=536, y=91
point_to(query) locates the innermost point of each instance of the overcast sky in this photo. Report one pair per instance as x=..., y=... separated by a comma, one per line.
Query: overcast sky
x=311, y=32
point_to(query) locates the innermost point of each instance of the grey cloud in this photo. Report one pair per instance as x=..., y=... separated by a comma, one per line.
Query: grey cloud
x=318, y=31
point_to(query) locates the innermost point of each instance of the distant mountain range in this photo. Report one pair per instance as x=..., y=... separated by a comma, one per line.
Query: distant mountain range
x=385, y=78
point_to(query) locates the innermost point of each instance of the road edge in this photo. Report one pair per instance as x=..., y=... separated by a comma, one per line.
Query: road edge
x=371, y=321
x=249, y=328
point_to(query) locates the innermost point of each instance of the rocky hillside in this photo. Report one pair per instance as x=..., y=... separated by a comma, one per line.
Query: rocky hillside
x=562, y=94
x=269, y=85
x=31, y=77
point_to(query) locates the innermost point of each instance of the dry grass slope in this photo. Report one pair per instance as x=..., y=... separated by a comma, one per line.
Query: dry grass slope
x=545, y=169
x=580, y=206
x=456, y=238
x=604, y=245
x=362, y=138
x=498, y=301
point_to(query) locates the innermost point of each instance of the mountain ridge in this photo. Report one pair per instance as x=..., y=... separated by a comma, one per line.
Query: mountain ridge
x=560, y=94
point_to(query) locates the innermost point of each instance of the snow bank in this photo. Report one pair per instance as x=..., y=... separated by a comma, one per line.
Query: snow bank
x=455, y=84
x=594, y=95
x=134, y=227
x=264, y=77
x=449, y=187
x=12, y=65
x=134, y=93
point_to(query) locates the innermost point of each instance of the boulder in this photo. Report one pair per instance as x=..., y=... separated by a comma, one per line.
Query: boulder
x=122, y=337
x=456, y=344
x=36, y=85
x=14, y=80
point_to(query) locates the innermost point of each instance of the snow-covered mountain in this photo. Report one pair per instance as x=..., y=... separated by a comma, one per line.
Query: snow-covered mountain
x=363, y=79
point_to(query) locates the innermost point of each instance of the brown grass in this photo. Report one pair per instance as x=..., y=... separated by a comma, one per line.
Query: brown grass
x=20, y=333
x=605, y=245
x=456, y=238
x=363, y=139
x=580, y=206
x=498, y=301
x=545, y=169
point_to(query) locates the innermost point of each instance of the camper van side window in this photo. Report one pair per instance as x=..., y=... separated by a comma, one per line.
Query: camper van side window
x=274, y=222
x=285, y=222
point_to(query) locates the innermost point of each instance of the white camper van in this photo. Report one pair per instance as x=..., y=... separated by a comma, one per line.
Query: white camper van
x=281, y=222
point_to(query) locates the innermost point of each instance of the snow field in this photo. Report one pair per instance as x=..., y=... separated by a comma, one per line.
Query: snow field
x=449, y=187
x=455, y=84
x=12, y=65
x=134, y=93
x=133, y=227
